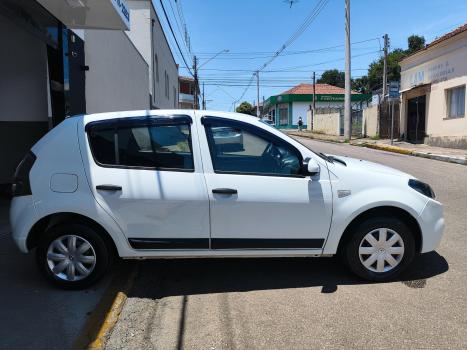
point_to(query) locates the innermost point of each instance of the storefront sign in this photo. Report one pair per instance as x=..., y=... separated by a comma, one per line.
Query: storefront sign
x=123, y=10
x=393, y=90
x=438, y=69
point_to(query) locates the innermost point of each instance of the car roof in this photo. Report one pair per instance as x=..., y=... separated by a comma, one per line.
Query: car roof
x=87, y=118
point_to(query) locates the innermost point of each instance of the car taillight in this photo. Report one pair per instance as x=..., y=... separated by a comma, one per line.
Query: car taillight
x=21, y=185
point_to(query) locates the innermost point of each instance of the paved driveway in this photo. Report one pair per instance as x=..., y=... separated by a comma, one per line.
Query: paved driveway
x=34, y=315
x=309, y=303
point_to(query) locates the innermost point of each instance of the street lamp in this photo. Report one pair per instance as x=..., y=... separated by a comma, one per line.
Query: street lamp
x=195, y=75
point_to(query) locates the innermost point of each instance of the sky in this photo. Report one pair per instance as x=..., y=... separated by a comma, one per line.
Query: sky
x=253, y=30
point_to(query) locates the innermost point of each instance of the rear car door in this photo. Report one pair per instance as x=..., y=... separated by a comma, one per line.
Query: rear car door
x=145, y=172
x=259, y=198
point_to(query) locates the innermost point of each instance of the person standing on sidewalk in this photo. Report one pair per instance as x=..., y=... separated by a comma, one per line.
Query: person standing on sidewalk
x=300, y=123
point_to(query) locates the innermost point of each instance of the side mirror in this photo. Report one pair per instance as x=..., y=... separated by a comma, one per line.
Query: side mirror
x=310, y=167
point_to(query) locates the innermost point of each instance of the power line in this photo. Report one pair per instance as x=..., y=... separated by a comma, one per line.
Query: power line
x=324, y=62
x=308, y=20
x=267, y=71
x=283, y=55
x=290, y=52
x=250, y=56
x=179, y=29
x=175, y=38
x=182, y=19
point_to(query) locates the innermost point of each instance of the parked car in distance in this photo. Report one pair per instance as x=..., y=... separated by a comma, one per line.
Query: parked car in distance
x=179, y=184
x=268, y=121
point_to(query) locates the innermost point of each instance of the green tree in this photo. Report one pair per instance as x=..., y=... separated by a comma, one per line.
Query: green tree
x=360, y=85
x=332, y=77
x=246, y=108
x=375, y=71
x=415, y=43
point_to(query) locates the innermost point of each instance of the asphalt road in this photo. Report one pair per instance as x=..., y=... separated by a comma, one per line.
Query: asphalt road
x=309, y=303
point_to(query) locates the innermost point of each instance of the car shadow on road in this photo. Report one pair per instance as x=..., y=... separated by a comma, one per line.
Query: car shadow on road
x=162, y=278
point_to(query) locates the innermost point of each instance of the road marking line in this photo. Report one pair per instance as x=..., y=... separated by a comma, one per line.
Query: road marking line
x=101, y=322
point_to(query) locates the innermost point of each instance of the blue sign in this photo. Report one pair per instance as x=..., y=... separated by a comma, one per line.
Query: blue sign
x=393, y=89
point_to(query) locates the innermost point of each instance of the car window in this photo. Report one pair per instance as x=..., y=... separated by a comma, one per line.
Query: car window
x=161, y=146
x=235, y=149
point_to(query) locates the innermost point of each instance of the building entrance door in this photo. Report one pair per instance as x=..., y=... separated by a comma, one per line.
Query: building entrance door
x=416, y=119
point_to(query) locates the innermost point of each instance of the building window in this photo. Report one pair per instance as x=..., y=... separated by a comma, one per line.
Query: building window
x=156, y=63
x=283, y=115
x=456, y=102
x=166, y=86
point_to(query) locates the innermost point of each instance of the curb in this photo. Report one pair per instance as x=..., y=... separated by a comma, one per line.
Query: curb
x=441, y=158
x=101, y=322
x=314, y=138
x=392, y=149
x=395, y=149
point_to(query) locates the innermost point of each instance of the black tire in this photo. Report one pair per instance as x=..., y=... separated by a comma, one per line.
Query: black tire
x=351, y=250
x=103, y=255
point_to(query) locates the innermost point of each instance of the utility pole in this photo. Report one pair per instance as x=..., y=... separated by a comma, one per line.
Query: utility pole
x=392, y=122
x=347, y=101
x=314, y=102
x=257, y=93
x=195, y=76
x=204, y=100
x=385, y=67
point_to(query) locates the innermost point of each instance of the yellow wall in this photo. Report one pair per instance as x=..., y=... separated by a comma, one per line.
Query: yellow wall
x=438, y=123
x=431, y=72
x=326, y=123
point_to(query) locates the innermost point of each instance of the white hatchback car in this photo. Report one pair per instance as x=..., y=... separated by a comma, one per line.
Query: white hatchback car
x=178, y=184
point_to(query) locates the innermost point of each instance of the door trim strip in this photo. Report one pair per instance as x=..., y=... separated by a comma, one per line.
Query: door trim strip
x=225, y=243
x=169, y=243
x=259, y=243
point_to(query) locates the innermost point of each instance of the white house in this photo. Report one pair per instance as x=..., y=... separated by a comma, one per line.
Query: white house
x=433, y=84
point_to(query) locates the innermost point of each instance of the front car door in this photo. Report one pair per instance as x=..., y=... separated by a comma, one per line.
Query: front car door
x=259, y=198
x=145, y=172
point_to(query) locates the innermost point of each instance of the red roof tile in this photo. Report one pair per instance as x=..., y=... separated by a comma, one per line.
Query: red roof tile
x=446, y=36
x=456, y=31
x=324, y=89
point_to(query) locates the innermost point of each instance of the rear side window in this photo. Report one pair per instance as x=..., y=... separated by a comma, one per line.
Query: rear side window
x=153, y=146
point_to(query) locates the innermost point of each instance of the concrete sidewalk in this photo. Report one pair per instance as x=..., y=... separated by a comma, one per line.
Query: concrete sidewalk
x=450, y=155
x=33, y=314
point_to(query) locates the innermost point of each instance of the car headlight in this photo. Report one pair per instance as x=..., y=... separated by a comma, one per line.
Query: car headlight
x=422, y=187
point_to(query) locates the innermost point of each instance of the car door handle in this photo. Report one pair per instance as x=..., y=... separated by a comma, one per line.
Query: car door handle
x=224, y=191
x=108, y=187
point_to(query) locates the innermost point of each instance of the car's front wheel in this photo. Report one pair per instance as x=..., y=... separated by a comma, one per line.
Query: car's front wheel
x=72, y=256
x=380, y=248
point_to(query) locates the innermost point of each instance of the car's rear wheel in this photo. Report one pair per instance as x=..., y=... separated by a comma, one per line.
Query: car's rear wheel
x=72, y=256
x=380, y=248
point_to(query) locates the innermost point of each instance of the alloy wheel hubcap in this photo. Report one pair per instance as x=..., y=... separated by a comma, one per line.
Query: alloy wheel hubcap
x=381, y=250
x=71, y=258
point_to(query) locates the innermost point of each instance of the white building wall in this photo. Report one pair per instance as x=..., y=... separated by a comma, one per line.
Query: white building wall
x=117, y=79
x=148, y=36
x=140, y=33
x=432, y=72
x=300, y=109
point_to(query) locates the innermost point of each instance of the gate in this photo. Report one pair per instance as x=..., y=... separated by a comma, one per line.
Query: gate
x=357, y=122
x=385, y=120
